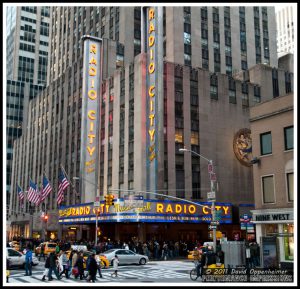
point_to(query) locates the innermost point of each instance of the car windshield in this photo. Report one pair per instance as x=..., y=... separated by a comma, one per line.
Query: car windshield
x=51, y=245
x=109, y=251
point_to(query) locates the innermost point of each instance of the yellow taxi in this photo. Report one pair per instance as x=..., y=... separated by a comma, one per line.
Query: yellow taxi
x=15, y=245
x=104, y=261
x=195, y=253
x=49, y=247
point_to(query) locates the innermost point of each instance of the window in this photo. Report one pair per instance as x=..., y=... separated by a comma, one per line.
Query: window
x=179, y=135
x=289, y=138
x=266, y=143
x=290, y=186
x=194, y=138
x=268, y=189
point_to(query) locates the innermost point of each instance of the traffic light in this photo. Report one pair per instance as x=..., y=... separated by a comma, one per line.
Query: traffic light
x=109, y=200
x=46, y=218
x=112, y=200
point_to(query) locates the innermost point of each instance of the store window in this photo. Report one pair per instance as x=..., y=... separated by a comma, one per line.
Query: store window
x=268, y=189
x=265, y=143
x=290, y=186
x=288, y=230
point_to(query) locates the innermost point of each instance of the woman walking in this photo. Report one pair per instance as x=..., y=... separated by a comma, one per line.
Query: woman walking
x=47, y=266
x=64, y=263
x=116, y=262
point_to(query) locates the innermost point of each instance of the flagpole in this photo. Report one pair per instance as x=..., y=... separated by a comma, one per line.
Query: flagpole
x=73, y=187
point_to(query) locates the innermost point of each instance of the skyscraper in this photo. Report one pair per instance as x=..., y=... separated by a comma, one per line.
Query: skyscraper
x=27, y=37
x=285, y=30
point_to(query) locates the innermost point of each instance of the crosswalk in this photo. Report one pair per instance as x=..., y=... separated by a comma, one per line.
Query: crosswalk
x=166, y=272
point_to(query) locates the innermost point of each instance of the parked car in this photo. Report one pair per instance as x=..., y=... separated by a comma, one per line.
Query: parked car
x=125, y=257
x=104, y=262
x=49, y=247
x=17, y=259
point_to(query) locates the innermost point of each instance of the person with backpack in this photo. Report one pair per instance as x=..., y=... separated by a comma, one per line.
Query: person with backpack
x=47, y=266
x=115, y=262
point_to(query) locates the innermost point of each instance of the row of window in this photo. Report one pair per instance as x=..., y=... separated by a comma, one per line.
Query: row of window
x=266, y=141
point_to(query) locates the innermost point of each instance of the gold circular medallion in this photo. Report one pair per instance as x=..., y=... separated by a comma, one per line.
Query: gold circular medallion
x=242, y=146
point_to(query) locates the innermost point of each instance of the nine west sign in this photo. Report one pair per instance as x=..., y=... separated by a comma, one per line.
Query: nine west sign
x=273, y=217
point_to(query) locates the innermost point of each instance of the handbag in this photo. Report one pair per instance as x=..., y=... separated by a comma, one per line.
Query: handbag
x=75, y=271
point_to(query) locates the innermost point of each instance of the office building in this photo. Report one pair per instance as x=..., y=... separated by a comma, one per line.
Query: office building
x=27, y=38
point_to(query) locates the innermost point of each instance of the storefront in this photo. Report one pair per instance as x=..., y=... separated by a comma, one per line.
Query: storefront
x=149, y=219
x=278, y=226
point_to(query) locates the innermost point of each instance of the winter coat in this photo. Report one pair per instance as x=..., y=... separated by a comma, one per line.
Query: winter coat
x=28, y=256
x=93, y=267
x=116, y=263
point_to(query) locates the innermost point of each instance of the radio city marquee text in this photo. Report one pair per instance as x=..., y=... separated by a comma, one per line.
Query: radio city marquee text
x=159, y=208
x=92, y=95
x=151, y=90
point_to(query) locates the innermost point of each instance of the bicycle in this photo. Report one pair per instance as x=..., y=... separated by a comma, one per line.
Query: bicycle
x=193, y=273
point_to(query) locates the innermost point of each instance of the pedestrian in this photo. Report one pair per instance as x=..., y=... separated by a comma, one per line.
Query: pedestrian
x=28, y=261
x=165, y=253
x=254, y=254
x=98, y=260
x=42, y=252
x=208, y=257
x=64, y=263
x=115, y=262
x=57, y=249
x=47, y=266
x=92, y=269
x=53, y=266
x=79, y=265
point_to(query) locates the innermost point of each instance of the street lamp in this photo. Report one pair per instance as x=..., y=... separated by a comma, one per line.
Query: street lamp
x=212, y=189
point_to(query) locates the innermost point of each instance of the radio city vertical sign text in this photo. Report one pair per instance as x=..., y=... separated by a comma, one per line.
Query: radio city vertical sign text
x=90, y=117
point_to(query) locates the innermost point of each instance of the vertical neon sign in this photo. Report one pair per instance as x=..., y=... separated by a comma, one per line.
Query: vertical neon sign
x=90, y=117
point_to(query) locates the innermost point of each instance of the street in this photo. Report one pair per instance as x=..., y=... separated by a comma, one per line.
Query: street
x=154, y=271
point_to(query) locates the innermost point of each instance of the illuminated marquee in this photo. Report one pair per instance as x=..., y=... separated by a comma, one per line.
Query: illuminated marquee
x=151, y=85
x=152, y=210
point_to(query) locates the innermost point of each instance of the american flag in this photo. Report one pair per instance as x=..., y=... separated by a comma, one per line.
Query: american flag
x=33, y=195
x=46, y=189
x=20, y=193
x=63, y=184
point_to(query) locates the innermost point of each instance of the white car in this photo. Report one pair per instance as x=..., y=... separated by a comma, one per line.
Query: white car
x=125, y=257
x=17, y=259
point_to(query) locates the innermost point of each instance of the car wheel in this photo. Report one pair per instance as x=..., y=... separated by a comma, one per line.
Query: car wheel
x=143, y=261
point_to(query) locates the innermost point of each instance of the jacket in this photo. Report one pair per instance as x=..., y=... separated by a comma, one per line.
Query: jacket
x=28, y=256
x=116, y=263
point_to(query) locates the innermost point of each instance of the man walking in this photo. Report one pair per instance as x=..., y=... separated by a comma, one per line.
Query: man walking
x=28, y=261
x=53, y=261
x=92, y=269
